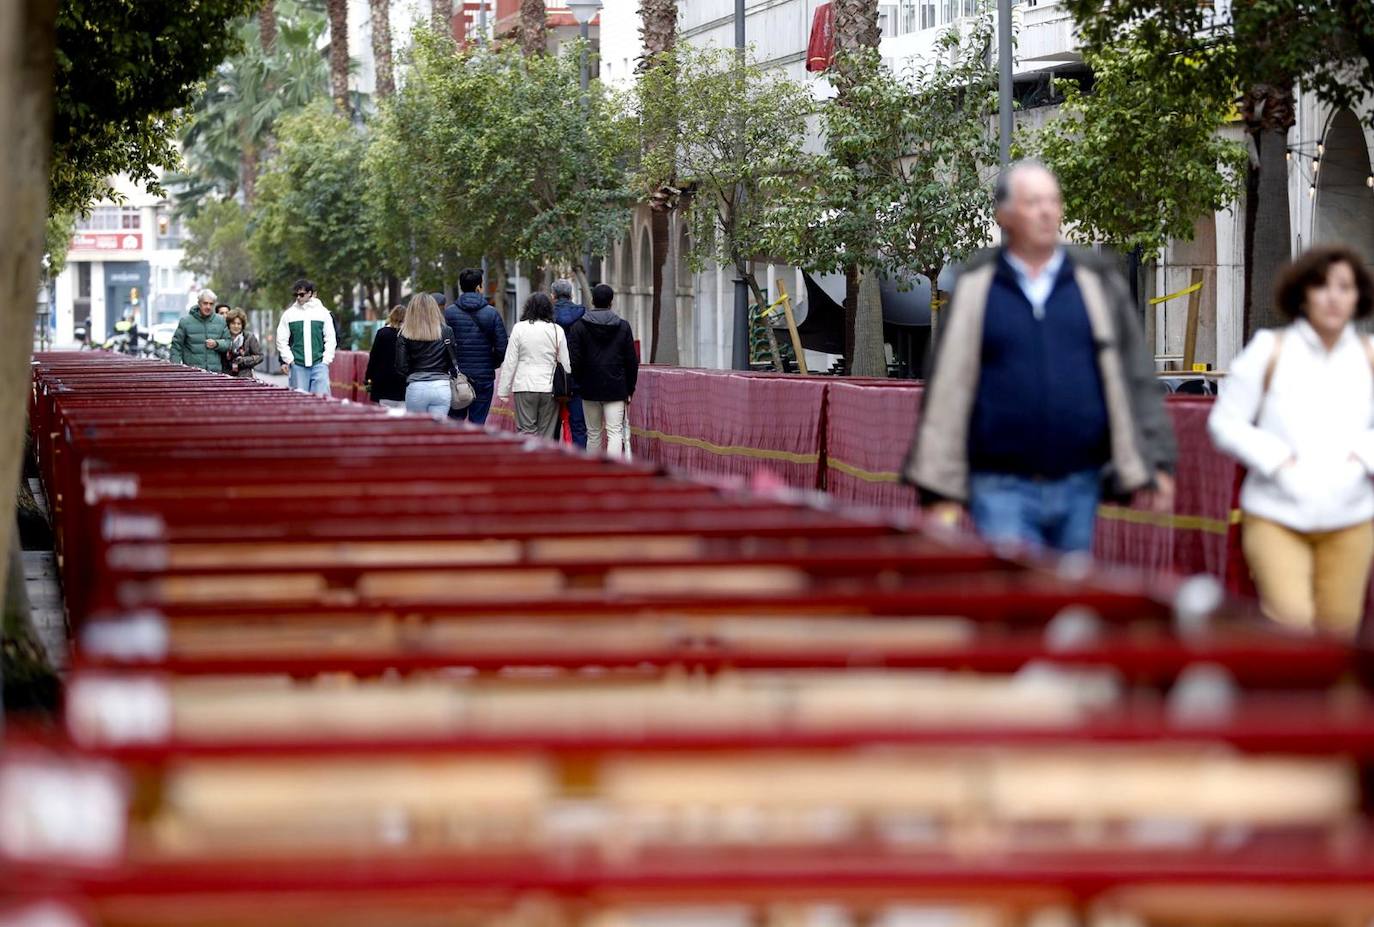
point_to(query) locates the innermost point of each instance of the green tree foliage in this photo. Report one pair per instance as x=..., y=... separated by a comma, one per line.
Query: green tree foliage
x=57, y=239
x=307, y=221
x=232, y=122
x=739, y=129
x=1327, y=45
x=124, y=67
x=217, y=251
x=1140, y=158
x=494, y=153
x=901, y=185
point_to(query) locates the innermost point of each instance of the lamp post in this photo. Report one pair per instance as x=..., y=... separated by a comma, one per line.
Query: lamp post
x=1004, y=114
x=584, y=11
x=739, y=356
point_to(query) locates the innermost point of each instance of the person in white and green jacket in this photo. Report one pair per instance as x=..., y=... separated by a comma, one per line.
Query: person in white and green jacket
x=305, y=341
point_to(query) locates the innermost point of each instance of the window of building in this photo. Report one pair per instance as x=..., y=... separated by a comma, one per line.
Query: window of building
x=110, y=219
x=169, y=229
x=83, y=280
x=949, y=11
x=888, y=21
x=928, y=14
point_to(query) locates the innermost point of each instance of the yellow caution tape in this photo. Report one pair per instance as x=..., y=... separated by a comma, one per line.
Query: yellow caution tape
x=725, y=450
x=1164, y=299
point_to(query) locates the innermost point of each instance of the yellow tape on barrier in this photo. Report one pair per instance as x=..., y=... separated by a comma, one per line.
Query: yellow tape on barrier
x=859, y=473
x=1184, y=292
x=725, y=450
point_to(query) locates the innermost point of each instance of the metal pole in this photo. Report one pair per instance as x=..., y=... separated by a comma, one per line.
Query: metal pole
x=482, y=22
x=585, y=30
x=740, y=353
x=1004, y=110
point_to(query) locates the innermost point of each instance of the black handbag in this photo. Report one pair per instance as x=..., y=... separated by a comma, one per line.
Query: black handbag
x=562, y=383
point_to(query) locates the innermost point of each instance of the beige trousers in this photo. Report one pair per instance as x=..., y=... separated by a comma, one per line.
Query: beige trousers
x=608, y=419
x=1310, y=579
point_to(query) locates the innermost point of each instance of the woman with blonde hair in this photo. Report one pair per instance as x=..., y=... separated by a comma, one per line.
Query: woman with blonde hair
x=384, y=384
x=424, y=358
x=1297, y=409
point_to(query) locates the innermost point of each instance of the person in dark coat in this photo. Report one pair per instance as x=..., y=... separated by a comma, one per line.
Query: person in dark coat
x=384, y=384
x=606, y=368
x=479, y=338
x=245, y=351
x=566, y=313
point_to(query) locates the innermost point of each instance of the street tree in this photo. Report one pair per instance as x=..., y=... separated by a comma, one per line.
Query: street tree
x=658, y=32
x=901, y=185
x=231, y=125
x=306, y=222
x=739, y=129
x=533, y=27
x=216, y=250
x=338, y=53
x=1270, y=47
x=124, y=68
x=1141, y=157
x=381, y=47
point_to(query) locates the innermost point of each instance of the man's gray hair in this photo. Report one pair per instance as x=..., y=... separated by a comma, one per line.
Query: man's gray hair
x=205, y=294
x=562, y=289
x=1002, y=191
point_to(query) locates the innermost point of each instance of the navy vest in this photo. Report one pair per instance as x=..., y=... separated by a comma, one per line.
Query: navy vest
x=1039, y=409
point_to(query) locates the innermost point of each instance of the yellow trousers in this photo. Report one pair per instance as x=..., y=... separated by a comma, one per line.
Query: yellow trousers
x=1310, y=579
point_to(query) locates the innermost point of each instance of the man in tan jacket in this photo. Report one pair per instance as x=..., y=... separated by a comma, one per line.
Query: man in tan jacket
x=1042, y=396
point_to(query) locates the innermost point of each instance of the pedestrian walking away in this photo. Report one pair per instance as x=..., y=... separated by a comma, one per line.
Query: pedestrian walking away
x=424, y=358
x=566, y=313
x=201, y=339
x=1042, y=396
x=384, y=384
x=537, y=346
x=245, y=352
x=479, y=340
x=606, y=368
x=306, y=341
x=1297, y=409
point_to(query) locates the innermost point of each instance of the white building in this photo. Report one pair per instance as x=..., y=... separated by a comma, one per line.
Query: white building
x=1332, y=203
x=124, y=260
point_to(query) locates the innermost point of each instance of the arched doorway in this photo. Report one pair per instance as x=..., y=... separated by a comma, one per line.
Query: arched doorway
x=1345, y=202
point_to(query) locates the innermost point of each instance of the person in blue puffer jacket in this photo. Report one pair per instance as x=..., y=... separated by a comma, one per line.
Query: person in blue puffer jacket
x=479, y=339
x=566, y=313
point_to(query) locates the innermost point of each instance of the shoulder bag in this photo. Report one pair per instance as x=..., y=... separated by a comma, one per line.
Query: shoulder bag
x=562, y=387
x=461, y=393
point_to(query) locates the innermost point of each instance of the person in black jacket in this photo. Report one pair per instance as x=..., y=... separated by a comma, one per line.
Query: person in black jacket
x=422, y=357
x=384, y=384
x=606, y=367
x=566, y=313
x=479, y=340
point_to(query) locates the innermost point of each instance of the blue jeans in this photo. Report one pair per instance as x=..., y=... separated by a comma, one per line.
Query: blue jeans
x=430, y=397
x=481, y=406
x=1058, y=514
x=313, y=379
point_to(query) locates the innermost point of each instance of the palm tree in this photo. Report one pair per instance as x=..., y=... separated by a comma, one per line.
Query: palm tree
x=441, y=17
x=381, y=48
x=857, y=34
x=338, y=53
x=658, y=30
x=231, y=123
x=533, y=27
x=267, y=25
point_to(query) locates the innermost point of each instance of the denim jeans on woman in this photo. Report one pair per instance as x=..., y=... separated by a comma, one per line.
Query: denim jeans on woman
x=1054, y=514
x=430, y=397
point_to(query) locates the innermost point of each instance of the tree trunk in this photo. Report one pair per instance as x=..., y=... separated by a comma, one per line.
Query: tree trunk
x=27, y=60
x=533, y=27
x=381, y=48
x=658, y=236
x=393, y=290
x=851, y=313
x=870, y=354
x=1268, y=110
x=855, y=29
x=267, y=25
x=441, y=17
x=338, y=54
x=666, y=340
x=498, y=279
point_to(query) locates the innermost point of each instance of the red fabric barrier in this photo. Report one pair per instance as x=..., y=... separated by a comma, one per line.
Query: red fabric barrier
x=723, y=424
x=868, y=432
x=341, y=374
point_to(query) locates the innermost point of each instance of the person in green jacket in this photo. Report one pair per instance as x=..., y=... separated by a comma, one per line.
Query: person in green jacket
x=201, y=338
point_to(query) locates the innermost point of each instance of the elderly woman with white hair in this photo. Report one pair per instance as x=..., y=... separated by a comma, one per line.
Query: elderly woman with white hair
x=202, y=338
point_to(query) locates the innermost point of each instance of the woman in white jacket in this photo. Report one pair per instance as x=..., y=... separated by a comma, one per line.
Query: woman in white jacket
x=537, y=344
x=1297, y=409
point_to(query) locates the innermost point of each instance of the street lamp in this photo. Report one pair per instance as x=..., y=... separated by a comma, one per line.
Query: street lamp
x=584, y=11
